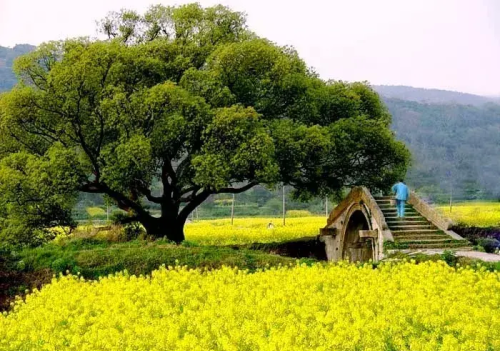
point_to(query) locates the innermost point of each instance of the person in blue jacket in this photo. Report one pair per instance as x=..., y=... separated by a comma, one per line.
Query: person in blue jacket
x=402, y=193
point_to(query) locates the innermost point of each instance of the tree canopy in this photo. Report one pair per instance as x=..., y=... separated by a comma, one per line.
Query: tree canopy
x=190, y=97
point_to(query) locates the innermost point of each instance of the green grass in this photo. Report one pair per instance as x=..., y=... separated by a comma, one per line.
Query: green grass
x=92, y=258
x=449, y=257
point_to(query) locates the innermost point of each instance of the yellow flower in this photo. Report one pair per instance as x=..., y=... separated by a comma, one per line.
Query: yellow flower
x=480, y=214
x=250, y=230
x=405, y=306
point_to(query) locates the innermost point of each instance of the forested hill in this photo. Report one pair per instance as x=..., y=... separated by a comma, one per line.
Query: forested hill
x=452, y=145
x=433, y=96
x=7, y=56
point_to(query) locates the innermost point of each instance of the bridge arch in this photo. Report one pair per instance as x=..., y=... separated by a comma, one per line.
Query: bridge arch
x=355, y=228
x=354, y=247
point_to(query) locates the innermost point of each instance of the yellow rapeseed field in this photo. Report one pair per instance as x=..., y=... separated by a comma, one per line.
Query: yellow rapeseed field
x=95, y=211
x=480, y=214
x=250, y=230
x=405, y=306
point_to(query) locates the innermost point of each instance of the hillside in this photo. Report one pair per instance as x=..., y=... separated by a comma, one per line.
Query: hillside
x=7, y=56
x=432, y=96
x=452, y=145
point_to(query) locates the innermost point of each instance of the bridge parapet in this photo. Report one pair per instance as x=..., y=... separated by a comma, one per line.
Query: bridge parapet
x=433, y=216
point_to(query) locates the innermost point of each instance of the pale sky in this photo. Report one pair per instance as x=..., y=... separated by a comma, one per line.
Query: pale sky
x=442, y=44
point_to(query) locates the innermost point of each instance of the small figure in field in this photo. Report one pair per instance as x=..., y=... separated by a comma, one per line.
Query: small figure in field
x=270, y=225
x=401, y=193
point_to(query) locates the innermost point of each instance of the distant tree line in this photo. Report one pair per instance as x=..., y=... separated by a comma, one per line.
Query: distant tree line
x=432, y=96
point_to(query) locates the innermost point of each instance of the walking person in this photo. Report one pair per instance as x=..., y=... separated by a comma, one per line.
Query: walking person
x=402, y=193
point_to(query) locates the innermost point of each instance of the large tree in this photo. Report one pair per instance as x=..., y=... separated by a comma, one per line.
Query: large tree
x=189, y=97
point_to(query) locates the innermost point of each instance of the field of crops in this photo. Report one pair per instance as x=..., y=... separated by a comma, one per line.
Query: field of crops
x=250, y=230
x=479, y=214
x=405, y=306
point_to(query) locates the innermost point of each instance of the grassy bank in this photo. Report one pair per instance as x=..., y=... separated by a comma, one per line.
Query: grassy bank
x=449, y=257
x=33, y=267
x=96, y=258
x=248, y=243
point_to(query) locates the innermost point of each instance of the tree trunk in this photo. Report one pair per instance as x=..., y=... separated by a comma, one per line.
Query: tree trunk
x=172, y=228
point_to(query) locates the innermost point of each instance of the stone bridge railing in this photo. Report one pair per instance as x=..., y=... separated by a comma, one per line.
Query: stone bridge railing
x=432, y=215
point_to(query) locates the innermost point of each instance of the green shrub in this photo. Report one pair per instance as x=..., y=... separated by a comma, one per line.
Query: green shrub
x=479, y=248
x=489, y=244
x=63, y=264
x=133, y=231
x=94, y=258
x=449, y=257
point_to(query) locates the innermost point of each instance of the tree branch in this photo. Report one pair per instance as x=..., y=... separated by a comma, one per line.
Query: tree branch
x=190, y=189
x=78, y=131
x=32, y=76
x=181, y=167
x=128, y=220
x=195, y=202
x=236, y=190
x=101, y=131
x=169, y=170
x=28, y=146
x=123, y=202
x=194, y=190
x=149, y=196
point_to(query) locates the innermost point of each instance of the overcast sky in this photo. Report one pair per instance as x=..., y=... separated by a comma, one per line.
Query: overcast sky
x=444, y=44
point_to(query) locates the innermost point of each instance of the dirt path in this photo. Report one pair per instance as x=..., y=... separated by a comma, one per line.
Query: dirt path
x=487, y=257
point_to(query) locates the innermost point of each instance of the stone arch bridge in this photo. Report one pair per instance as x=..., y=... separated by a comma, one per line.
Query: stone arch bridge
x=363, y=227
